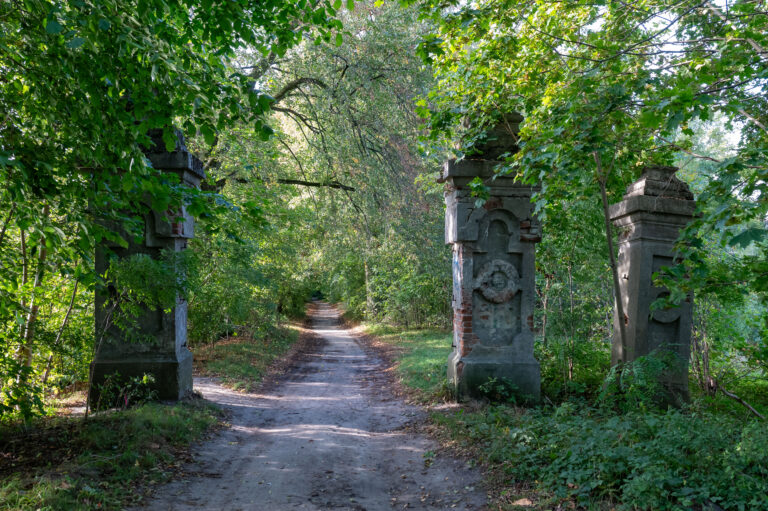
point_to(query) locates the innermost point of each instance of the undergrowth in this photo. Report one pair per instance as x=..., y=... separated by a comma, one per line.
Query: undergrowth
x=64, y=463
x=671, y=460
x=622, y=455
x=241, y=362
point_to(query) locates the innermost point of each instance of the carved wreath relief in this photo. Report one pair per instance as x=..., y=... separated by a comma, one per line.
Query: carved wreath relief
x=496, y=310
x=498, y=281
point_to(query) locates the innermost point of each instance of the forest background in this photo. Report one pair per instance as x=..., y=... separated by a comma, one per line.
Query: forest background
x=322, y=128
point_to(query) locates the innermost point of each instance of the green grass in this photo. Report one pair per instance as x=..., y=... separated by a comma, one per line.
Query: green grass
x=421, y=359
x=63, y=463
x=241, y=362
x=580, y=456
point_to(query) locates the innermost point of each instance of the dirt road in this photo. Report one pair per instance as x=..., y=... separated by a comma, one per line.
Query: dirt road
x=328, y=435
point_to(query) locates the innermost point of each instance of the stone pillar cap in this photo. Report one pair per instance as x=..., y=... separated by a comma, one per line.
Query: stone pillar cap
x=657, y=191
x=180, y=159
x=499, y=139
x=659, y=181
x=467, y=168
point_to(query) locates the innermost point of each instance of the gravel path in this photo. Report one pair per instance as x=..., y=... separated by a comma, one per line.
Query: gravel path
x=328, y=435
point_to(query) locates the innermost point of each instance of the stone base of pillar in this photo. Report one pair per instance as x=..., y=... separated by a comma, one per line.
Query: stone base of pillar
x=467, y=374
x=674, y=394
x=173, y=375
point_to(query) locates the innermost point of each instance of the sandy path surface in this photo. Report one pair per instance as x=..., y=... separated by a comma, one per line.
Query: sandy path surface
x=328, y=435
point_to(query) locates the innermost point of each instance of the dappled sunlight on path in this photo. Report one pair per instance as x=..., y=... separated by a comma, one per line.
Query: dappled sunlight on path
x=328, y=435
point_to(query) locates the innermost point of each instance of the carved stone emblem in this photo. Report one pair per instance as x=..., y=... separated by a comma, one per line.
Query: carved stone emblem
x=498, y=281
x=665, y=315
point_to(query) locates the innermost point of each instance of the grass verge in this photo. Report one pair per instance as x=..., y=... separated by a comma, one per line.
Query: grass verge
x=576, y=455
x=64, y=463
x=242, y=362
x=420, y=357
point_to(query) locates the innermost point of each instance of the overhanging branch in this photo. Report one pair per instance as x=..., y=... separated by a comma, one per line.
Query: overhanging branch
x=295, y=84
x=218, y=185
x=328, y=184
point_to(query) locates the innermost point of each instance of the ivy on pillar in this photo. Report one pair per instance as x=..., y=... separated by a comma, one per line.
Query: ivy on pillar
x=493, y=272
x=166, y=357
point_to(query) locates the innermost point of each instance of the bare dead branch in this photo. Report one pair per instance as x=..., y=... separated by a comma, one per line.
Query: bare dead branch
x=739, y=400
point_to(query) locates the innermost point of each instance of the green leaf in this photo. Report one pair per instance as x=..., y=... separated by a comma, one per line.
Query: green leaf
x=53, y=27
x=169, y=137
x=266, y=132
x=339, y=39
x=265, y=100
x=76, y=42
x=747, y=237
x=674, y=121
x=104, y=24
x=650, y=118
x=127, y=184
x=209, y=134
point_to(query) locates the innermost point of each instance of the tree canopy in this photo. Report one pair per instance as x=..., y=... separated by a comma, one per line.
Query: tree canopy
x=309, y=118
x=607, y=88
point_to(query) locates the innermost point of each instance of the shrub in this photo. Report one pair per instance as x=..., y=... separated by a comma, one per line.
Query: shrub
x=120, y=392
x=664, y=461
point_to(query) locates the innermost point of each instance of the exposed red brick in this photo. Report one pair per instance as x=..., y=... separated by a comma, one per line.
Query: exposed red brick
x=492, y=203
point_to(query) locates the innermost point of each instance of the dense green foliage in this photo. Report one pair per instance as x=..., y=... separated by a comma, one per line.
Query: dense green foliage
x=308, y=116
x=345, y=121
x=641, y=460
x=83, y=84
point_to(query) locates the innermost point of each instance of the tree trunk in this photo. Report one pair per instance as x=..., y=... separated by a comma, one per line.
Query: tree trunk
x=545, y=307
x=368, y=294
x=601, y=179
x=60, y=332
x=572, y=335
x=6, y=223
x=25, y=350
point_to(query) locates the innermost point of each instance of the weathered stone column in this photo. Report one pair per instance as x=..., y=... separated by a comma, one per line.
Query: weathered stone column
x=493, y=273
x=167, y=358
x=654, y=210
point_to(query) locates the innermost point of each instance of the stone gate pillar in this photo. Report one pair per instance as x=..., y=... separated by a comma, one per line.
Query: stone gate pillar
x=167, y=358
x=493, y=272
x=654, y=210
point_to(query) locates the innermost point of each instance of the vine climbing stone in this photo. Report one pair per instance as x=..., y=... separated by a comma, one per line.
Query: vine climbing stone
x=493, y=272
x=164, y=354
x=654, y=210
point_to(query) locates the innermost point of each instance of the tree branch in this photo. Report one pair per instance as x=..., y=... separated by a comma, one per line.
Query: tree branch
x=739, y=400
x=218, y=185
x=295, y=84
x=328, y=184
x=293, y=113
